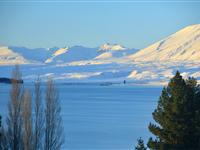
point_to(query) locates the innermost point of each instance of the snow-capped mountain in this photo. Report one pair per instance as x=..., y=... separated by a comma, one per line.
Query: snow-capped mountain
x=184, y=45
x=111, y=47
x=62, y=55
x=159, y=61
x=153, y=65
x=110, y=51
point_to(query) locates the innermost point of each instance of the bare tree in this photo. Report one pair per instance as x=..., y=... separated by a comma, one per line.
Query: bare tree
x=4, y=145
x=14, y=119
x=21, y=132
x=54, y=137
x=27, y=121
x=3, y=141
x=39, y=117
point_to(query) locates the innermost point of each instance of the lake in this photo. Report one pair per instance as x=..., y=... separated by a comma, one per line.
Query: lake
x=101, y=117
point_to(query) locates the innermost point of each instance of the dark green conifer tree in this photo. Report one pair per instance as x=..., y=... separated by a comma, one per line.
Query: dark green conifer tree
x=0, y=133
x=0, y=126
x=140, y=145
x=177, y=116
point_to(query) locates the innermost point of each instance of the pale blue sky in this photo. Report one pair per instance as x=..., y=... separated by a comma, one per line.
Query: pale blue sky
x=133, y=24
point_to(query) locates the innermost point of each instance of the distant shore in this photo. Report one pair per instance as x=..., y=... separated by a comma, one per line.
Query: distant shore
x=9, y=81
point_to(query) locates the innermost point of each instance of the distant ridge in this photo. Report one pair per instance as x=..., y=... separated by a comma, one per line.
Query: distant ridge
x=183, y=45
x=10, y=55
x=110, y=63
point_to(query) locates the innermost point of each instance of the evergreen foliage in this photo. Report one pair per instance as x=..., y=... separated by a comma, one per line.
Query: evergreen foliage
x=140, y=145
x=177, y=116
x=0, y=126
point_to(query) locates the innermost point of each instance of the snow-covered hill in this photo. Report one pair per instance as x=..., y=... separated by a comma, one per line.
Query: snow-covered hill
x=158, y=62
x=184, y=45
x=153, y=65
x=8, y=57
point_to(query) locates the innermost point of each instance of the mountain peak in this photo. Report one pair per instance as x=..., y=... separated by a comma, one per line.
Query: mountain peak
x=112, y=47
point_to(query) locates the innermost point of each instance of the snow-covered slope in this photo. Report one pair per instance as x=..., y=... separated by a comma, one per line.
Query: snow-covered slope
x=71, y=54
x=158, y=62
x=8, y=57
x=184, y=45
x=105, y=55
x=110, y=51
x=55, y=54
x=35, y=55
x=112, y=54
x=153, y=65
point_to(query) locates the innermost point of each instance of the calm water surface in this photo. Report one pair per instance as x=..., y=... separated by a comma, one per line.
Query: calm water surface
x=101, y=117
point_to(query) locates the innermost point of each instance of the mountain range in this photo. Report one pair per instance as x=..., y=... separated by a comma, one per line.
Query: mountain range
x=153, y=65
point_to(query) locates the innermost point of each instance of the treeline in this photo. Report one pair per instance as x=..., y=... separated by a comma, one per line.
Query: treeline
x=177, y=117
x=34, y=122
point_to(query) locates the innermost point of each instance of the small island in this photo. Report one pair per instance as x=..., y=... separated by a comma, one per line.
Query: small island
x=9, y=81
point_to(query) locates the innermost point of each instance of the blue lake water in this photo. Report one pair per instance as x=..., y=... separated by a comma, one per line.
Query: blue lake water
x=102, y=117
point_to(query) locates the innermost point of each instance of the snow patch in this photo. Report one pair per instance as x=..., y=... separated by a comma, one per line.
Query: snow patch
x=104, y=56
x=8, y=57
x=144, y=75
x=60, y=51
x=57, y=53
